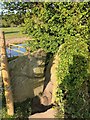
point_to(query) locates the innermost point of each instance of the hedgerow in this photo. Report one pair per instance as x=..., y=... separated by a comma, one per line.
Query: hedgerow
x=73, y=91
x=67, y=24
x=51, y=24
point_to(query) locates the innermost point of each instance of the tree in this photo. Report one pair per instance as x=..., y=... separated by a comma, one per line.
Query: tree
x=15, y=12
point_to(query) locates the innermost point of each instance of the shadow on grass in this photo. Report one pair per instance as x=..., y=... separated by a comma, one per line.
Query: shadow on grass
x=11, y=32
x=21, y=109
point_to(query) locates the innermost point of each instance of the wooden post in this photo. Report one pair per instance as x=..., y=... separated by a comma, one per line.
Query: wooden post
x=6, y=77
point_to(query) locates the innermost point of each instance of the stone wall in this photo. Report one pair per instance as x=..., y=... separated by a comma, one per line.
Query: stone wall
x=50, y=85
x=27, y=75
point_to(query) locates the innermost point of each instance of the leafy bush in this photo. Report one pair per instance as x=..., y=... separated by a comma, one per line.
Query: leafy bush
x=72, y=92
x=22, y=110
x=51, y=24
x=67, y=23
x=5, y=23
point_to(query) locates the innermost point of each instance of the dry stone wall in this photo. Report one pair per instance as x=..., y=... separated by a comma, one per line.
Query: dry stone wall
x=49, y=94
x=27, y=75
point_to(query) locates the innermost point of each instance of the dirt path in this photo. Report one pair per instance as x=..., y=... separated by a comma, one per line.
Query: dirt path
x=47, y=114
x=16, y=40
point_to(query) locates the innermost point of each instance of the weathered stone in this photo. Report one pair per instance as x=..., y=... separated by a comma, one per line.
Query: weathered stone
x=38, y=72
x=49, y=94
x=50, y=113
x=27, y=75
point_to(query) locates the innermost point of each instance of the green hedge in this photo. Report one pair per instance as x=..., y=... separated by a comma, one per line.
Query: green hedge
x=52, y=24
x=67, y=23
x=72, y=92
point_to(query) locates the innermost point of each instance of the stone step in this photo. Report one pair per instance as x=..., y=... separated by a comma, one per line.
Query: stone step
x=50, y=113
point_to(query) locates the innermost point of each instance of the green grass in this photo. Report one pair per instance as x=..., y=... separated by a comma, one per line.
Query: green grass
x=13, y=32
x=21, y=109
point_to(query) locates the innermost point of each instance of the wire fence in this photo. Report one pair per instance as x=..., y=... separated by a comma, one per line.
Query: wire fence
x=11, y=51
x=16, y=50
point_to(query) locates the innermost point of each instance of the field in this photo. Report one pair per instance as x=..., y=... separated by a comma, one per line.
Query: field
x=14, y=35
x=13, y=32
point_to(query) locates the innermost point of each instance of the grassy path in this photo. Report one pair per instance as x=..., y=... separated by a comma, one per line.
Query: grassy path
x=13, y=32
x=14, y=35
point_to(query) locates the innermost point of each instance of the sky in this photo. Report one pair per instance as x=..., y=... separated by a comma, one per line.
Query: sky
x=1, y=7
x=1, y=3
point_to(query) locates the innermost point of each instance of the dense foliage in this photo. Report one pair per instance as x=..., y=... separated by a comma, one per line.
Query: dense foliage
x=13, y=13
x=67, y=23
x=73, y=72
x=52, y=24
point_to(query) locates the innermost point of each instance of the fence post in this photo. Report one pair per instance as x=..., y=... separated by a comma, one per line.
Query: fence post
x=6, y=77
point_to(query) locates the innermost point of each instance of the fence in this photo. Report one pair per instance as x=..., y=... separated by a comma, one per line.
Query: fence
x=6, y=52
x=16, y=50
x=5, y=72
x=5, y=76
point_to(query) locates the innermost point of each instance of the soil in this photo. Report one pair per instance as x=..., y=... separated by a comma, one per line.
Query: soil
x=41, y=111
x=15, y=40
x=50, y=113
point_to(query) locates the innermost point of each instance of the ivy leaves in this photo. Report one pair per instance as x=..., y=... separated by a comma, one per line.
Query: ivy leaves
x=72, y=78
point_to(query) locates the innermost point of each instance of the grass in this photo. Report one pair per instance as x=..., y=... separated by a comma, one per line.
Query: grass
x=13, y=32
x=21, y=109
